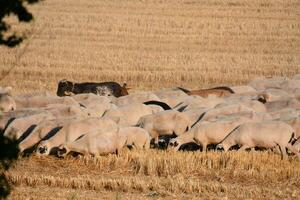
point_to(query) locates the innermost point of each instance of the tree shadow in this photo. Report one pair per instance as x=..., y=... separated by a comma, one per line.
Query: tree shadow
x=8, y=154
x=13, y=7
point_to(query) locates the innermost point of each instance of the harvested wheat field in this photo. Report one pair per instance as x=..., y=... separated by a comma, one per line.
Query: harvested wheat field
x=158, y=175
x=154, y=44
x=151, y=44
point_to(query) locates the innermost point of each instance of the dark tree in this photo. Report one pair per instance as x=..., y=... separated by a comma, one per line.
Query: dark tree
x=8, y=153
x=8, y=148
x=13, y=7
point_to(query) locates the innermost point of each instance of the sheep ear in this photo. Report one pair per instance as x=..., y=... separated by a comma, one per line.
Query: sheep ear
x=125, y=86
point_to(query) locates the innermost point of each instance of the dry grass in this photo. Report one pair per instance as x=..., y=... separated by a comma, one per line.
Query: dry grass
x=155, y=44
x=152, y=44
x=234, y=175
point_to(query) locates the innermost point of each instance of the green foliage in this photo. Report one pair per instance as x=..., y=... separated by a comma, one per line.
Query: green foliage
x=14, y=7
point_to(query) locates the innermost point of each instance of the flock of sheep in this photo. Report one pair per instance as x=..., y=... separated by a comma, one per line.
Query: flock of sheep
x=263, y=114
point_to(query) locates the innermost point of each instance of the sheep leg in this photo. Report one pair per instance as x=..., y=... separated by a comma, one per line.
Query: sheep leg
x=29, y=142
x=198, y=143
x=243, y=148
x=137, y=145
x=147, y=144
x=88, y=155
x=119, y=150
x=133, y=147
x=283, y=152
x=155, y=136
x=140, y=146
x=204, y=147
x=156, y=140
x=277, y=149
x=177, y=148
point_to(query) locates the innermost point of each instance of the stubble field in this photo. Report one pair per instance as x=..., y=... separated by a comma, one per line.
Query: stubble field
x=158, y=175
x=151, y=45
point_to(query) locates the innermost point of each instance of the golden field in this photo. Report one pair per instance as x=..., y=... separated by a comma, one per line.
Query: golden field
x=153, y=44
x=158, y=174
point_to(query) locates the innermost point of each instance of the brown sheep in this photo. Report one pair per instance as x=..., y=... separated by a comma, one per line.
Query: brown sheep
x=216, y=92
